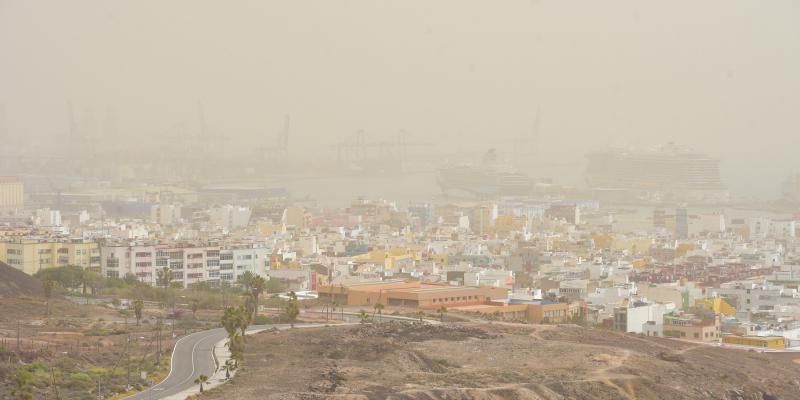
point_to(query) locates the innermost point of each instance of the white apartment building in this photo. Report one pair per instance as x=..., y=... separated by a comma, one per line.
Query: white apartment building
x=235, y=261
x=165, y=214
x=230, y=217
x=188, y=264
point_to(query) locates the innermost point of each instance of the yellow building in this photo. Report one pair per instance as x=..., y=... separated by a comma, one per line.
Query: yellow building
x=684, y=248
x=390, y=258
x=32, y=255
x=268, y=228
x=12, y=195
x=717, y=305
x=770, y=342
x=295, y=216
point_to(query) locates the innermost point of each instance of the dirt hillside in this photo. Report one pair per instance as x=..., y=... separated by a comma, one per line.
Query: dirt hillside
x=14, y=282
x=411, y=361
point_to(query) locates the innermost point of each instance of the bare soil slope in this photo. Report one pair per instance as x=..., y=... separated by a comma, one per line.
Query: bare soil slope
x=14, y=282
x=411, y=361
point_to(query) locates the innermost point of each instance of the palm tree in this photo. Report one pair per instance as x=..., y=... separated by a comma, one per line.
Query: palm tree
x=378, y=307
x=195, y=306
x=242, y=319
x=48, y=284
x=201, y=380
x=245, y=280
x=257, y=287
x=292, y=310
x=229, y=366
x=138, y=308
x=164, y=278
x=441, y=310
x=363, y=316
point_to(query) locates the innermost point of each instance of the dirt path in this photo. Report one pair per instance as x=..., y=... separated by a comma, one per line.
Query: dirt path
x=607, y=377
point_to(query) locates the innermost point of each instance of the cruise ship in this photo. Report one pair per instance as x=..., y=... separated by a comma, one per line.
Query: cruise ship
x=670, y=172
x=486, y=180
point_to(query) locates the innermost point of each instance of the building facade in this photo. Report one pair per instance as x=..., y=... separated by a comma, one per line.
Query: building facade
x=33, y=255
x=12, y=194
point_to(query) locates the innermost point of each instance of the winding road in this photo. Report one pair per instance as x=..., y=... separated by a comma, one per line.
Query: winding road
x=193, y=356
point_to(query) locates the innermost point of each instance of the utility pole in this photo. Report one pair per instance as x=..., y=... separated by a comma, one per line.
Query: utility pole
x=128, y=356
x=158, y=341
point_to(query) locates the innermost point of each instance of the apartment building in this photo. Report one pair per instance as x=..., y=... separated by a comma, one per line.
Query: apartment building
x=704, y=329
x=33, y=255
x=756, y=298
x=12, y=195
x=189, y=264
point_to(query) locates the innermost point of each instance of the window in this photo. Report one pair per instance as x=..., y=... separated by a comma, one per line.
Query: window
x=162, y=262
x=142, y=254
x=212, y=263
x=213, y=274
x=177, y=275
x=14, y=252
x=226, y=256
x=144, y=264
x=195, y=275
x=696, y=335
x=112, y=274
x=63, y=250
x=212, y=253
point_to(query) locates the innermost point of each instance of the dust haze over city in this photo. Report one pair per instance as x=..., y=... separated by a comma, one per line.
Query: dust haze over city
x=411, y=199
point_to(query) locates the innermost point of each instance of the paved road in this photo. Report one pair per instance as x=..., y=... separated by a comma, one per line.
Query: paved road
x=190, y=358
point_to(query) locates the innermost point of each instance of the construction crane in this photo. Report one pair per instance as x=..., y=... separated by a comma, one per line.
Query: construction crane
x=279, y=149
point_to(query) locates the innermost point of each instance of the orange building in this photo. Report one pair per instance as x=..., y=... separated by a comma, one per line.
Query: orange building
x=409, y=294
x=536, y=312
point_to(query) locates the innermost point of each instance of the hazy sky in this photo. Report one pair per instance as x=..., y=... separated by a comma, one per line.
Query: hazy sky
x=720, y=76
